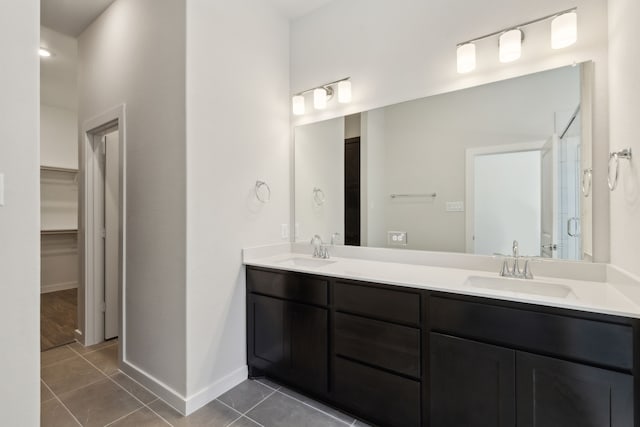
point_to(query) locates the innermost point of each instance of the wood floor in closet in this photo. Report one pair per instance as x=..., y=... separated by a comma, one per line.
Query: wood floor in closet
x=58, y=315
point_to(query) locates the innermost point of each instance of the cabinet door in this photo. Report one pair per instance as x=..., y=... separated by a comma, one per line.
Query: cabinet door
x=309, y=353
x=288, y=340
x=472, y=384
x=556, y=393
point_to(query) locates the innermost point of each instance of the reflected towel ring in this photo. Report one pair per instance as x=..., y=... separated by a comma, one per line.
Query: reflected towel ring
x=616, y=156
x=318, y=196
x=261, y=197
x=587, y=178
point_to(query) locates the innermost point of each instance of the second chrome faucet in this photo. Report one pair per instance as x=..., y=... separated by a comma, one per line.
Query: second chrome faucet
x=515, y=271
x=320, y=249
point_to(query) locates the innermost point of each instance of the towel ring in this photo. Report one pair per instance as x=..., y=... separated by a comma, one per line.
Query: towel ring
x=259, y=196
x=318, y=196
x=616, y=156
x=587, y=178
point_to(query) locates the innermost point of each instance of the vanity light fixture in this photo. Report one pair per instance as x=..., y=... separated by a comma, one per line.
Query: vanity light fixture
x=466, y=54
x=511, y=45
x=564, y=32
x=344, y=92
x=298, y=105
x=43, y=52
x=320, y=97
x=322, y=94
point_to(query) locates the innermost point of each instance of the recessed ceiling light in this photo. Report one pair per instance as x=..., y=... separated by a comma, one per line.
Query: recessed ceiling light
x=44, y=52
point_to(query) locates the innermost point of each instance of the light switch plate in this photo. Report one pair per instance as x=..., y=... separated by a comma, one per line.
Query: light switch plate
x=455, y=207
x=397, y=238
x=1, y=189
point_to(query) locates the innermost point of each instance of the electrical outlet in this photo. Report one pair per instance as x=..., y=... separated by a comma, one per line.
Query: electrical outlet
x=397, y=238
x=284, y=231
x=455, y=207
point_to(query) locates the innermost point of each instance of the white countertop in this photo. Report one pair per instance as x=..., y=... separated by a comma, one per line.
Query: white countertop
x=591, y=296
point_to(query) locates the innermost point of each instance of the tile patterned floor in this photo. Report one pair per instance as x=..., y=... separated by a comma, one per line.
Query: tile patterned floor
x=83, y=387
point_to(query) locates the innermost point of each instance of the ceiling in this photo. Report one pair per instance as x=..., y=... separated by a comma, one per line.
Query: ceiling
x=71, y=17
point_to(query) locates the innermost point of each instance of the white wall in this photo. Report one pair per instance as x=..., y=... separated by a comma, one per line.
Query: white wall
x=319, y=163
x=237, y=132
x=405, y=49
x=58, y=137
x=624, y=92
x=134, y=53
x=19, y=217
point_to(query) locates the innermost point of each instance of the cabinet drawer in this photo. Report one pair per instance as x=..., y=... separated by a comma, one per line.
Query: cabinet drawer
x=296, y=287
x=384, y=398
x=378, y=343
x=596, y=342
x=381, y=303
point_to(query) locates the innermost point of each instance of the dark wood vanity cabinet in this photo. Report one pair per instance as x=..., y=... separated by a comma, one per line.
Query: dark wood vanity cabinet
x=288, y=339
x=507, y=364
x=398, y=356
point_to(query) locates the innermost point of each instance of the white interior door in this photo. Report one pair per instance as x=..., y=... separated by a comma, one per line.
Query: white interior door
x=112, y=233
x=550, y=214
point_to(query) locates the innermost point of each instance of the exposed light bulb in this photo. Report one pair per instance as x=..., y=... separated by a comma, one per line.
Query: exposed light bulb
x=298, y=105
x=320, y=98
x=44, y=52
x=466, y=58
x=564, y=30
x=510, y=46
x=344, y=92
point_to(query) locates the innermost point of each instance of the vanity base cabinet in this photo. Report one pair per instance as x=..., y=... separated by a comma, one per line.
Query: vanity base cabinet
x=557, y=393
x=378, y=396
x=471, y=384
x=288, y=340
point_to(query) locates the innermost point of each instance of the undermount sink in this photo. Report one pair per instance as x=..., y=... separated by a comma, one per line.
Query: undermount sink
x=305, y=262
x=524, y=286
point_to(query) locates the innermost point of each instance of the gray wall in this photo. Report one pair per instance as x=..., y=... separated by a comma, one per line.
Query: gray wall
x=20, y=216
x=135, y=54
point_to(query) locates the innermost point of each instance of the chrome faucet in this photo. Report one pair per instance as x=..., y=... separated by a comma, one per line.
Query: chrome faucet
x=515, y=271
x=320, y=250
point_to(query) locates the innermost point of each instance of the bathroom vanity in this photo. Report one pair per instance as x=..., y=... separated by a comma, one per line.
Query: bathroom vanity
x=440, y=350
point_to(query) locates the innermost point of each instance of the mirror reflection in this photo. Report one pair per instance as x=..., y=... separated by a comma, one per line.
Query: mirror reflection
x=467, y=171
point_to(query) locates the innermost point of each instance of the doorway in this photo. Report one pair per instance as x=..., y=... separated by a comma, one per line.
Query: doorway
x=102, y=227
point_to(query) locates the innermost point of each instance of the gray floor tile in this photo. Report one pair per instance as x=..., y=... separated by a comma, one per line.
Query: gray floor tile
x=100, y=403
x=143, y=417
x=268, y=383
x=214, y=414
x=45, y=394
x=53, y=414
x=55, y=355
x=76, y=346
x=140, y=392
x=279, y=410
x=245, y=395
x=70, y=374
x=320, y=406
x=244, y=422
x=105, y=359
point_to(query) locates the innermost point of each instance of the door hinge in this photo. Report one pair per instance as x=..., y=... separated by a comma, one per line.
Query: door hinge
x=103, y=306
x=103, y=233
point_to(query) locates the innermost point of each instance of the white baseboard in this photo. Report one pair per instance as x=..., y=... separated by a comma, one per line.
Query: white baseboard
x=215, y=390
x=54, y=287
x=170, y=396
x=178, y=401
